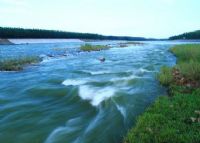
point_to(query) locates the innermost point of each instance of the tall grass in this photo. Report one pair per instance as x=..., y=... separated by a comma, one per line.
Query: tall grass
x=165, y=76
x=16, y=64
x=188, y=60
x=188, y=64
x=89, y=48
x=190, y=70
x=186, y=53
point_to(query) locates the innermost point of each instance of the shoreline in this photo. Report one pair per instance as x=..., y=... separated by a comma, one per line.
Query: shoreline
x=37, y=41
x=5, y=42
x=173, y=118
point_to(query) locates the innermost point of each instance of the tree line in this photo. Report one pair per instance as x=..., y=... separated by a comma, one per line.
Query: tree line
x=7, y=32
x=187, y=36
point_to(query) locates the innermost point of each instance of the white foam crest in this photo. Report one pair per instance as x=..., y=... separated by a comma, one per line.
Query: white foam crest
x=145, y=70
x=45, y=60
x=124, y=78
x=74, y=82
x=95, y=95
x=121, y=110
x=97, y=72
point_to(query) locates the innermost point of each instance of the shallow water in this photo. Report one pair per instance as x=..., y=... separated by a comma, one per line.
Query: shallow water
x=73, y=98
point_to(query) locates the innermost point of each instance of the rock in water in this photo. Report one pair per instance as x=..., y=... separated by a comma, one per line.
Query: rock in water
x=102, y=59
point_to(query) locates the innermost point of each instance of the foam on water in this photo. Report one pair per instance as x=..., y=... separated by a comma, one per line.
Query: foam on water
x=121, y=109
x=124, y=78
x=145, y=70
x=97, y=72
x=74, y=82
x=95, y=95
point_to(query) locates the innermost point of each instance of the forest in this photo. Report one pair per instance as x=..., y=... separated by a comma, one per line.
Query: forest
x=6, y=32
x=195, y=35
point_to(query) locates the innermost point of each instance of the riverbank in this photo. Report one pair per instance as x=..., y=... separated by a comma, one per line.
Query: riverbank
x=37, y=41
x=5, y=42
x=174, y=118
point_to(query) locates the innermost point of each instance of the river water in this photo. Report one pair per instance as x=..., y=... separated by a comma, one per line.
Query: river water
x=71, y=97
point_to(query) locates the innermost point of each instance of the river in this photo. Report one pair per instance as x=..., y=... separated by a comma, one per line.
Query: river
x=72, y=97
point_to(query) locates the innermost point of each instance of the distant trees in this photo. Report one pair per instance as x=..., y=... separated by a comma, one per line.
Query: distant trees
x=188, y=36
x=6, y=32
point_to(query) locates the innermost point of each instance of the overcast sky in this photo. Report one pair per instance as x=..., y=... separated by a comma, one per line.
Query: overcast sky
x=146, y=18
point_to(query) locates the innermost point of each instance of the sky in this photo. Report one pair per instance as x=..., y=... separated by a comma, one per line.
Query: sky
x=139, y=18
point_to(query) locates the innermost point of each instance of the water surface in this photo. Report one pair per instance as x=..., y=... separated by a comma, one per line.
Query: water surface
x=74, y=98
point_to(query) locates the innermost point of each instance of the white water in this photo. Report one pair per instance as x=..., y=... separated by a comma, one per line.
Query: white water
x=68, y=82
x=95, y=95
x=97, y=72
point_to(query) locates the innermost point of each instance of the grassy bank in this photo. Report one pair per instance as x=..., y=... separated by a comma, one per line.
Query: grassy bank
x=174, y=118
x=16, y=64
x=89, y=48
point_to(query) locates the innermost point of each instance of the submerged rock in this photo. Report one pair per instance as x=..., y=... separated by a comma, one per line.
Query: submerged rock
x=102, y=59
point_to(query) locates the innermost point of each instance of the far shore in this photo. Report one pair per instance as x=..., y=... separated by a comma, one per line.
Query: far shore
x=17, y=41
x=5, y=42
x=36, y=41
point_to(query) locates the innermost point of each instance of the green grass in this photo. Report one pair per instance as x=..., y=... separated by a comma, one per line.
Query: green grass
x=16, y=64
x=169, y=120
x=190, y=70
x=188, y=64
x=186, y=53
x=165, y=76
x=174, y=118
x=188, y=60
x=89, y=48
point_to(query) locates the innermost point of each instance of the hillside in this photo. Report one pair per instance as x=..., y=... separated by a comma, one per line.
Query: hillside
x=195, y=35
